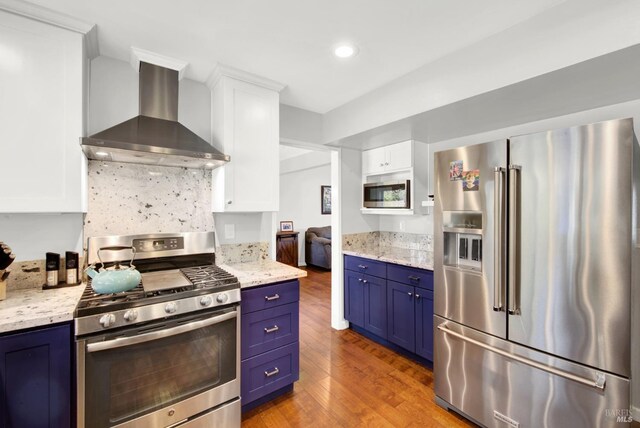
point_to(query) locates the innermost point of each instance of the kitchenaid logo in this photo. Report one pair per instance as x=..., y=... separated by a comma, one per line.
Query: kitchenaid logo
x=620, y=415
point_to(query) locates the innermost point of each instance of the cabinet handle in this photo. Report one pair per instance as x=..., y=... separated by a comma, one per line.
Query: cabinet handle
x=410, y=293
x=381, y=164
x=360, y=279
x=414, y=278
x=364, y=281
x=272, y=329
x=417, y=297
x=229, y=202
x=362, y=266
x=386, y=163
x=270, y=298
x=273, y=372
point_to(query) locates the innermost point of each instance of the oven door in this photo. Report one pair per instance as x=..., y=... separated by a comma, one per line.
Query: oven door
x=395, y=194
x=159, y=374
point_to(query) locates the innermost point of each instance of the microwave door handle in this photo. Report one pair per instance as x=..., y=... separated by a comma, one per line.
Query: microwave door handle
x=514, y=232
x=498, y=237
x=160, y=334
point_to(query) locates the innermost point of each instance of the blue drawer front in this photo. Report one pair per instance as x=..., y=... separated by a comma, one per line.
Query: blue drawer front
x=270, y=296
x=269, y=372
x=269, y=329
x=410, y=276
x=368, y=266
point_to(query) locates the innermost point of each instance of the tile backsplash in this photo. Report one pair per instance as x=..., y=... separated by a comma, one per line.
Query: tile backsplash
x=130, y=199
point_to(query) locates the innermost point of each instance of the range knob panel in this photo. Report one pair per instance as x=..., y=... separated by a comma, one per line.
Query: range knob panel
x=131, y=315
x=171, y=307
x=107, y=320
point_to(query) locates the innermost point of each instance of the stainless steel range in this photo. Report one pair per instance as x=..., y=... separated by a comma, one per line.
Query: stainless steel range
x=166, y=353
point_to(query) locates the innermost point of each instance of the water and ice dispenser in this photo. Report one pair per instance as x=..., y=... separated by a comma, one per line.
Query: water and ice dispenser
x=463, y=239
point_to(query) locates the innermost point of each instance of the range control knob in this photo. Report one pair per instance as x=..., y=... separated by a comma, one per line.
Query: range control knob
x=171, y=307
x=222, y=298
x=206, y=300
x=107, y=319
x=131, y=315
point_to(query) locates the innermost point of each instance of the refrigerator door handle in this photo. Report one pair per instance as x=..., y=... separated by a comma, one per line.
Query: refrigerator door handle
x=514, y=232
x=598, y=383
x=498, y=230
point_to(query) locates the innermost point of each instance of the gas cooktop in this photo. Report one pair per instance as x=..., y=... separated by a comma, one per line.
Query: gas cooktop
x=178, y=277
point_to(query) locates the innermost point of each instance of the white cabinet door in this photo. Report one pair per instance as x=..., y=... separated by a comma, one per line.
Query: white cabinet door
x=42, y=168
x=399, y=156
x=387, y=159
x=246, y=125
x=373, y=161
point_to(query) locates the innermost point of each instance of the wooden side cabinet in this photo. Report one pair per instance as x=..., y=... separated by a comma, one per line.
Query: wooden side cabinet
x=287, y=248
x=35, y=378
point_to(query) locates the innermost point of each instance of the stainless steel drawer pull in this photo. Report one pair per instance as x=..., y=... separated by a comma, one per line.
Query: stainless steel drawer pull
x=272, y=329
x=364, y=281
x=360, y=279
x=273, y=372
x=362, y=266
x=414, y=278
x=410, y=293
x=417, y=297
x=270, y=298
x=598, y=383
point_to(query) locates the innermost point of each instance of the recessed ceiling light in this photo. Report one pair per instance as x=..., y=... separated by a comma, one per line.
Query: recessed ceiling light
x=345, y=51
x=209, y=164
x=102, y=154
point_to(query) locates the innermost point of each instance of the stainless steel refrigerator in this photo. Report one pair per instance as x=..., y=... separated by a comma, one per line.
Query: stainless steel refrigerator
x=533, y=247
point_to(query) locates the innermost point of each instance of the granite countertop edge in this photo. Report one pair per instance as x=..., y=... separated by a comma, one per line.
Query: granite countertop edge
x=397, y=259
x=33, y=307
x=256, y=273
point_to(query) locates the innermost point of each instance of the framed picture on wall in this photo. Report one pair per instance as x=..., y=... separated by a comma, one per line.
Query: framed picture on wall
x=325, y=199
x=286, y=226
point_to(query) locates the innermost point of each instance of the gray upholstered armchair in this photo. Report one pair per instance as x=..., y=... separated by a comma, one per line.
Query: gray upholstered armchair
x=317, y=247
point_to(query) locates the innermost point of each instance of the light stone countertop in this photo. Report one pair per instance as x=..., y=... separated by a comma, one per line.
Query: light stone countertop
x=402, y=256
x=252, y=274
x=34, y=307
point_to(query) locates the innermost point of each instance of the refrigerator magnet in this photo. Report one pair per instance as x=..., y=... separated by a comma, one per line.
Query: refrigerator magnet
x=455, y=170
x=471, y=180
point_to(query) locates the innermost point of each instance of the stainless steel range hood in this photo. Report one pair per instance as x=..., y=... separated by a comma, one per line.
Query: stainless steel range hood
x=155, y=136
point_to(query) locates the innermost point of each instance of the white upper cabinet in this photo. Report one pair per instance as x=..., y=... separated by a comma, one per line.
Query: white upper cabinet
x=245, y=125
x=383, y=160
x=42, y=166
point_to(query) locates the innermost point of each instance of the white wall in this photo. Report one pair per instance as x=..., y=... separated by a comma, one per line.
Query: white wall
x=30, y=236
x=247, y=227
x=300, y=199
x=351, y=181
x=575, y=31
x=297, y=124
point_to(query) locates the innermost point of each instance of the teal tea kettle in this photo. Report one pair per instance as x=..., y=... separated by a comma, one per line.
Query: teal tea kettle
x=115, y=279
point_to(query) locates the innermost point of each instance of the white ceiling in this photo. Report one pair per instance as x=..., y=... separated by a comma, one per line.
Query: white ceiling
x=291, y=41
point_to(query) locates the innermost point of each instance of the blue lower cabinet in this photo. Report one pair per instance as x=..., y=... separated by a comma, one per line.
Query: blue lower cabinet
x=424, y=323
x=35, y=378
x=401, y=319
x=270, y=347
x=354, y=298
x=375, y=305
x=396, y=304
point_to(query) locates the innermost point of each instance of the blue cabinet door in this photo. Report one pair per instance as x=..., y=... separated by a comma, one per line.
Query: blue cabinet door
x=35, y=377
x=354, y=298
x=375, y=305
x=424, y=323
x=401, y=315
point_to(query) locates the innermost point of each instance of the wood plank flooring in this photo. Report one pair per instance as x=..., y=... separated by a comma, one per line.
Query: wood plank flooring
x=348, y=380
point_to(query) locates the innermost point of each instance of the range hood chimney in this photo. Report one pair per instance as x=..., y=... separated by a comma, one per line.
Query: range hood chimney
x=154, y=137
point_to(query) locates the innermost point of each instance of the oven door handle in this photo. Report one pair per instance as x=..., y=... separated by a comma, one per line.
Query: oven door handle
x=133, y=340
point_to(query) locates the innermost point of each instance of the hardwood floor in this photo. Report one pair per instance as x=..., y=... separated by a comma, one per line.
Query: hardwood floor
x=348, y=380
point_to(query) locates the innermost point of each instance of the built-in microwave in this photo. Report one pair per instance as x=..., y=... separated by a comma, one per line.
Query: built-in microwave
x=389, y=194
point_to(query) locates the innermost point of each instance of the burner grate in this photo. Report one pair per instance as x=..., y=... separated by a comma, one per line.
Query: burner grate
x=91, y=299
x=209, y=276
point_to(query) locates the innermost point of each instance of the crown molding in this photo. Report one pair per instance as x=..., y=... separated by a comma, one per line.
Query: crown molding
x=138, y=55
x=48, y=16
x=222, y=70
